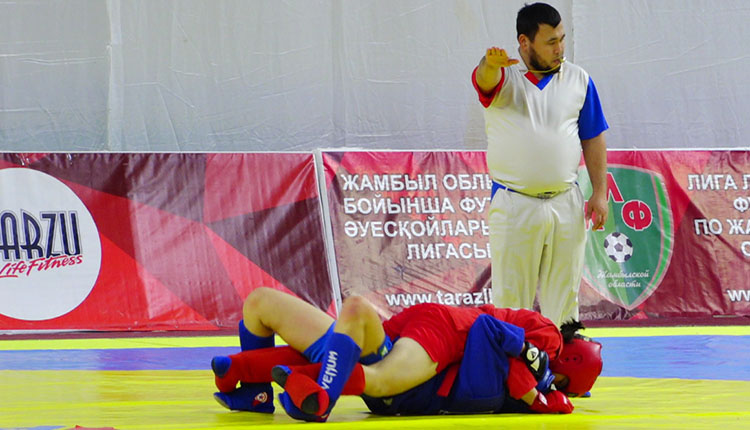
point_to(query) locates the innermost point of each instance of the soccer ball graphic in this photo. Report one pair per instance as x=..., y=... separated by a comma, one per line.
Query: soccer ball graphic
x=618, y=247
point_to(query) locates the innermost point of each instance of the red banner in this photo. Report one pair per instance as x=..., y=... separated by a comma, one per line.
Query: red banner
x=408, y=227
x=116, y=241
x=684, y=216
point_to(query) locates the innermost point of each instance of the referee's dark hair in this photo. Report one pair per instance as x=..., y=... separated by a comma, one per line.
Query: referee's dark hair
x=531, y=16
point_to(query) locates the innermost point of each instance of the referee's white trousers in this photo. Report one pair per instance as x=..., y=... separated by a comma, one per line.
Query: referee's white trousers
x=538, y=242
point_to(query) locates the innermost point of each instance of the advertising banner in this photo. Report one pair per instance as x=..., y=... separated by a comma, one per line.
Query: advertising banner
x=168, y=241
x=176, y=241
x=677, y=242
x=409, y=227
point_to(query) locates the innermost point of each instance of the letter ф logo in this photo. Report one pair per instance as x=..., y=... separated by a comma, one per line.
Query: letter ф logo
x=627, y=259
x=50, y=251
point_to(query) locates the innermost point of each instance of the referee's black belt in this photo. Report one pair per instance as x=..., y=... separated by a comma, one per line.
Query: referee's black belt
x=545, y=195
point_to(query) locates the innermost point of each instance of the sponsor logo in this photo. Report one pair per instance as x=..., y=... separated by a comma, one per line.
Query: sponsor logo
x=531, y=356
x=330, y=371
x=50, y=252
x=627, y=259
x=261, y=397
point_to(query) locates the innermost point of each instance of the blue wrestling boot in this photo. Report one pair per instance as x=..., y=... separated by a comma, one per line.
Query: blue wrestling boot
x=249, y=397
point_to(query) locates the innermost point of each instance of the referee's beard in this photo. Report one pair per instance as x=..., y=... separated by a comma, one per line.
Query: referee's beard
x=536, y=64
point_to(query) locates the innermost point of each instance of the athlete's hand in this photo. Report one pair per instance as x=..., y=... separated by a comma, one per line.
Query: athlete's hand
x=496, y=58
x=555, y=402
x=597, y=210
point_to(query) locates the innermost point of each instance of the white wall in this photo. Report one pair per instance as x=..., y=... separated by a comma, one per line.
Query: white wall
x=271, y=75
x=671, y=73
x=54, y=75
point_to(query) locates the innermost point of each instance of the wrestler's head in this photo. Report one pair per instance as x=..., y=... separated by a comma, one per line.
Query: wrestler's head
x=579, y=363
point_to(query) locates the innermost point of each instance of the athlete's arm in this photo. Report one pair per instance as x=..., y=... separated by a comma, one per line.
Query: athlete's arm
x=529, y=397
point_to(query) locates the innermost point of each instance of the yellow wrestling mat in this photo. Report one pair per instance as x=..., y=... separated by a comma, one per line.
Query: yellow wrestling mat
x=43, y=399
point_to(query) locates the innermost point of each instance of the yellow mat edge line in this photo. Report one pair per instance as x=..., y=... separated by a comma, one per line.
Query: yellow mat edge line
x=231, y=341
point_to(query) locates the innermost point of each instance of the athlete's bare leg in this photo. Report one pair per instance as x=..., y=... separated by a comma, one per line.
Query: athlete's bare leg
x=405, y=367
x=360, y=321
x=267, y=311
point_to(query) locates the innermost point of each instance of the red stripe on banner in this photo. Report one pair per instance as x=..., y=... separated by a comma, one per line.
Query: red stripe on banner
x=245, y=275
x=179, y=253
x=237, y=184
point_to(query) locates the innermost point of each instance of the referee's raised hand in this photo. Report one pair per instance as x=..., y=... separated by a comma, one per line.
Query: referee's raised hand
x=489, y=69
x=497, y=57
